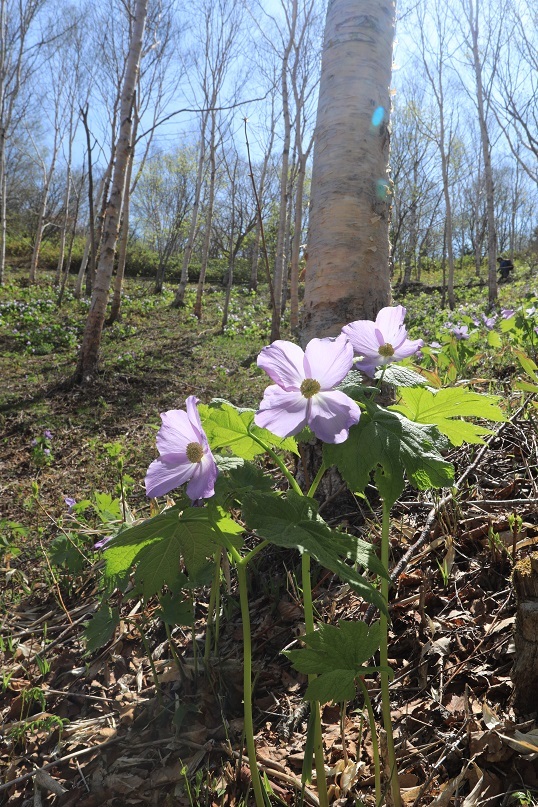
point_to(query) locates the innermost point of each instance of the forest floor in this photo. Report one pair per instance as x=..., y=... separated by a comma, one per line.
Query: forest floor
x=143, y=721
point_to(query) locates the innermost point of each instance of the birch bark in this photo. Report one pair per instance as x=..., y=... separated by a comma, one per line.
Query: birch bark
x=347, y=275
x=89, y=352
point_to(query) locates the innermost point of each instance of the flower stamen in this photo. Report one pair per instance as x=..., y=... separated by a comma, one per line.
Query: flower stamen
x=194, y=452
x=386, y=350
x=309, y=387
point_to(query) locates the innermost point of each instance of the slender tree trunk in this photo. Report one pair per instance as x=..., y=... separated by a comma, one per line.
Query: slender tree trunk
x=63, y=231
x=70, y=249
x=208, y=222
x=122, y=254
x=41, y=219
x=348, y=275
x=514, y=210
x=90, y=245
x=3, y=183
x=448, y=231
x=115, y=305
x=278, y=279
x=3, y=204
x=253, y=283
x=89, y=352
x=443, y=270
x=296, y=244
x=98, y=232
x=478, y=259
x=411, y=251
x=232, y=254
x=286, y=258
x=77, y=292
x=187, y=255
x=486, y=152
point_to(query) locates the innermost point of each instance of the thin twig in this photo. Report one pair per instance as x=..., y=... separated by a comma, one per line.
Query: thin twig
x=56, y=762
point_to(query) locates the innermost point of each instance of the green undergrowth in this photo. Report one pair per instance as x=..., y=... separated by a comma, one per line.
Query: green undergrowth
x=75, y=458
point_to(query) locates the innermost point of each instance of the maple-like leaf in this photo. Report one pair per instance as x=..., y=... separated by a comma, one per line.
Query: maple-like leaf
x=391, y=444
x=293, y=522
x=445, y=407
x=336, y=655
x=229, y=427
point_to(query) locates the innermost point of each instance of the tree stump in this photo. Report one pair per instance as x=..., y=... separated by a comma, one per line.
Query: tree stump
x=525, y=670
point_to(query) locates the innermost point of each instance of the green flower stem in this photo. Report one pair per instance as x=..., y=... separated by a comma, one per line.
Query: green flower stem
x=241, y=564
x=383, y=658
x=309, y=625
x=247, y=684
x=154, y=675
x=375, y=746
x=274, y=456
x=211, y=612
x=382, y=376
x=253, y=552
x=314, y=486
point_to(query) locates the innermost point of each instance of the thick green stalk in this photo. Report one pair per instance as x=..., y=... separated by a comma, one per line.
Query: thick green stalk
x=375, y=746
x=309, y=626
x=247, y=684
x=383, y=658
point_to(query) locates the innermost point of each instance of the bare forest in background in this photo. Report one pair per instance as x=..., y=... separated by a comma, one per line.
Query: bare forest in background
x=216, y=135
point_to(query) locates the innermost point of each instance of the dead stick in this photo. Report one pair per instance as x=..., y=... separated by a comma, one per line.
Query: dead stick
x=60, y=761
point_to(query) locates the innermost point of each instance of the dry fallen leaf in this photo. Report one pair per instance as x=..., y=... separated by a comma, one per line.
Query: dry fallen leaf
x=523, y=743
x=475, y=796
x=449, y=788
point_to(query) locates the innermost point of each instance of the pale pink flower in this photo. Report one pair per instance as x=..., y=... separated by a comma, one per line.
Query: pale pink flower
x=185, y=456
x=303, y=393
x=383, y=341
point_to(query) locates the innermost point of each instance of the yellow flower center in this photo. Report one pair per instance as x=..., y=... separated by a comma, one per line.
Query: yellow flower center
x=386, y=350
x=194, y=452
x=310, y=387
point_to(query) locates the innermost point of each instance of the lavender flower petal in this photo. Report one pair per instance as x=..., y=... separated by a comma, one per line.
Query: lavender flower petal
x=283, y=413
x=202, y=484
x=363, y=337
x=167, y=473
x=328, y=360
x=284, y=364
x=331, y=416
x=176, y=431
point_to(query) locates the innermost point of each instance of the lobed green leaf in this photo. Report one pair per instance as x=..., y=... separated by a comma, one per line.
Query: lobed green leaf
x=391, y=444
x=100, y=629
x=293, y=522
x=229, y=427
x=336, y=654
x=445, y=407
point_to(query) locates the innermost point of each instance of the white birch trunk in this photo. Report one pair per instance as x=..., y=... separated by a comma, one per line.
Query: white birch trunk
x=208, y=219
x=296, y=244
x=63, y=230
x=122, y=253
x=278, y=278
x=42, y=213
x=89, y=352
x=187, y=255
x=486, y=152
x=348, y=276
